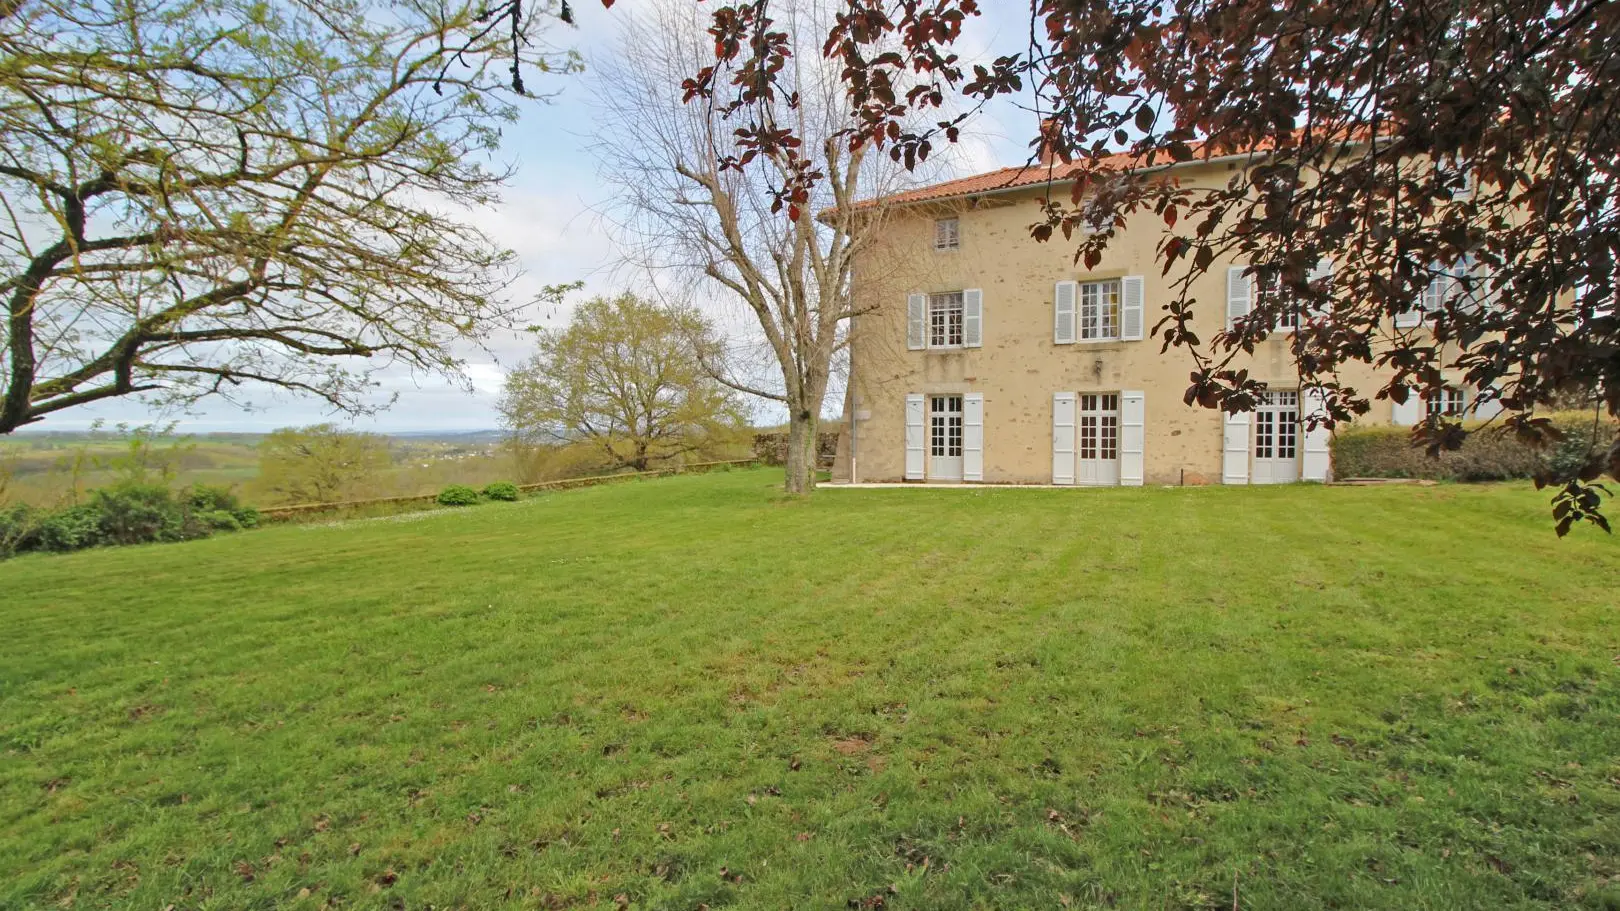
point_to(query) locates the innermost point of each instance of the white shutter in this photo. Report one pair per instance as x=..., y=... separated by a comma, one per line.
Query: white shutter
x=917, y=321
x=1239, y=292
x=1130, y=308
x=1132, y=430
x=1483, y=410
x=1431, y=296
x=1485, y=291
x=973, y=436
x=1063, y=294
x=1316, y=458
x=1406, y=413
x=1063, y=437
x=914, y=437
x=1235, y=449
x=972, y=318
x=1323, y=271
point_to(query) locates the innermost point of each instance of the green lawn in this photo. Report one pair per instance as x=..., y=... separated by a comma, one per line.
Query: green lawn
x=693, y=692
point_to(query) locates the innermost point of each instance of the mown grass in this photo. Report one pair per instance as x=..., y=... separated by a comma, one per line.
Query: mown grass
x=693, y=692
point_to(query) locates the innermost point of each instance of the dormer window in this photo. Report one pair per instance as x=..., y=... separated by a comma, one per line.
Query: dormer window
x=947, y=234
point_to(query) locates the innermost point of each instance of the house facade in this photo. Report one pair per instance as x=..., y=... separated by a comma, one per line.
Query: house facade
x=979, y=355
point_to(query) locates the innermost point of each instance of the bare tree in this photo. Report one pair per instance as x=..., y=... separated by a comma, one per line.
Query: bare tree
x=199, y=195
x=697, y=202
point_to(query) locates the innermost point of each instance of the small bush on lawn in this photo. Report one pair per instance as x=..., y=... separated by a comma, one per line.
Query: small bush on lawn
x=458, y=495
x=1489, y=455
x=501, y=490
x=203, y=499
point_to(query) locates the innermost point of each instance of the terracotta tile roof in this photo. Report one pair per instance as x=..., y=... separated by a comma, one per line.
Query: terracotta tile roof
x=1036, y=174
x=1003, y=179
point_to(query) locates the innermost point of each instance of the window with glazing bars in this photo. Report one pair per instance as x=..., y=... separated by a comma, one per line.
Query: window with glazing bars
x=1448, y=402
x=1099, y=310
x=945, y=320
x=945, y=426
x=1099, y=426
x=1276, y=426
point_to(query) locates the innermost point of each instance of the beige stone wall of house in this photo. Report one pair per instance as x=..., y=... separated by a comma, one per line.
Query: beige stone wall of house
x=1019, y=366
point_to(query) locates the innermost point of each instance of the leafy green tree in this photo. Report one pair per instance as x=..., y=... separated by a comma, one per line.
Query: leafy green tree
x=202, y=194
x=319, y=464
x=630, y=377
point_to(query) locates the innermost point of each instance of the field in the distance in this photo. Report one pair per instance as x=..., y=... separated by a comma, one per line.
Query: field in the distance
x=693, y=692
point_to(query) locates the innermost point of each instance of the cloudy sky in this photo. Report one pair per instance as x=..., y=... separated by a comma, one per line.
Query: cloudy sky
x=550, y=218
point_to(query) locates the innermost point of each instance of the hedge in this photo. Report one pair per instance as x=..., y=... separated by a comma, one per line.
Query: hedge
x=1489, y=455
x=124, y=514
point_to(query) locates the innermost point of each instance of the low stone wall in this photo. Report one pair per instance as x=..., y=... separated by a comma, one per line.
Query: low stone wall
x=771, y=448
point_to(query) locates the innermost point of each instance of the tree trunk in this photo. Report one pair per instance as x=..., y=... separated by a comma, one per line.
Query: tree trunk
x=801, y=448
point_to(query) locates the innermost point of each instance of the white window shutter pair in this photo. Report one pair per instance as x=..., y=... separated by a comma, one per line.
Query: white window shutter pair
x=917, y=321
x=1235, y=449
x=914, y=437
x=1316, y=457
x=1063, y=312
x=1132, y=318
x=1239, y=294
x=973, y=436
x=1132, y=430
x=972, y=320
x=1063, y=437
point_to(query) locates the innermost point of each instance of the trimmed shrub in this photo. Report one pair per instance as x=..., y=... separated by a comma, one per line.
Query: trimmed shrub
x=458, y=495
x=203, y=499
x=501, y=490
x=141, y=513
x=218, y=520
x=70, y=528
x=1491, y=455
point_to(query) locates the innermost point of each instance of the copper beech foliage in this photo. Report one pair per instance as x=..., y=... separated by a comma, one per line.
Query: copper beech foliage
x=1400, y=141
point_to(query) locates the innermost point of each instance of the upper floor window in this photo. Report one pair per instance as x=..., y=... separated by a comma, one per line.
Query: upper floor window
x=1267, y=287
x=1099, y=310
x=1455, y=176
x=945, y=320
x=1449, y=402
x=947, y=234
x=1461, y=286
x=949, y=319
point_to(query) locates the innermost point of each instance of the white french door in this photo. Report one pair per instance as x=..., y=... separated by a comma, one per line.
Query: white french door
x=1099, y=440
x=945, y=438
x=1276, y=439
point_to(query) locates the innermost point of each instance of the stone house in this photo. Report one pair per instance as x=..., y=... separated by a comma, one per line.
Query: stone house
x=980, y=355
